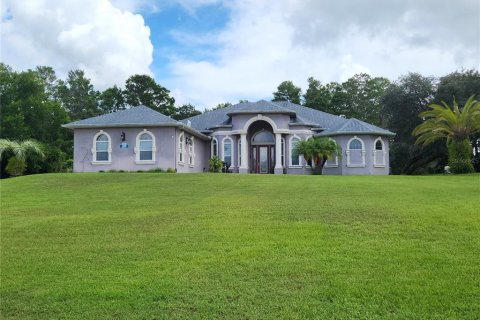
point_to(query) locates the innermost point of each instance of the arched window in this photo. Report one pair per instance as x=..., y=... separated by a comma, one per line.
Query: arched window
x=379, y=153
x=191, y=152
x=181, y=148
x=294, y=160
x=332, y=162
x=283, y=152
x=227, y=155
x=355, y=152
x=214, y=150
x=145, y=148
x=102, y=148
x=263, y=137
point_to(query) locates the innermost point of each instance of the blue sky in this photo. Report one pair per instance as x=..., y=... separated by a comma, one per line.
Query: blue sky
x=212, y=51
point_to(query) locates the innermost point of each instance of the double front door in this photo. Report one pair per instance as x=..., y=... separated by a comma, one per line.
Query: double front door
x=263, y=159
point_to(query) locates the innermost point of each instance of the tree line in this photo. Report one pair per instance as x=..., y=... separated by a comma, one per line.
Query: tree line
x=35, y=103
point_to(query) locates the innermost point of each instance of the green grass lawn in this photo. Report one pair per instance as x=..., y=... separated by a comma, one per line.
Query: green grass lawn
x=213, y=246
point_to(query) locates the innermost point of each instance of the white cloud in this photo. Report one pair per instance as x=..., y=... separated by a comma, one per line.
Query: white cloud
x=266, y=42
x=93, y=35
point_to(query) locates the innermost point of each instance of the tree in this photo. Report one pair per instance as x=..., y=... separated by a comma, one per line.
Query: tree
x=287, y=91
x=316, y=151
x=143, y=90
x=185, y=111
x=112, y=100
x=78, y=96
x=402, y=102
x=18, y=153
x=454, y=124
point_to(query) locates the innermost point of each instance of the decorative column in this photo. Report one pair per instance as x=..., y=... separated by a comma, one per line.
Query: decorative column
x=278, y=154
x=244, y=166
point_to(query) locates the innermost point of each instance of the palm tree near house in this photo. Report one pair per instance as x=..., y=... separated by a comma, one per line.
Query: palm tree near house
x=18, y=153
x=316, y=152
x=456, y=125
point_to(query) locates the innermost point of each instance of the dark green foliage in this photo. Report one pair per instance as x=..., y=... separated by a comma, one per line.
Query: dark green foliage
x=112, y=100
x=215, y=164
x=287, y=91
x=15, y=166
x=316, y=152
x=143, y=90
x=185, y=111
x=460, y=156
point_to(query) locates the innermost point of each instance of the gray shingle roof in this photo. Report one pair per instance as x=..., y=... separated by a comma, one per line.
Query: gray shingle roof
x=140, y=115
x=332, y=124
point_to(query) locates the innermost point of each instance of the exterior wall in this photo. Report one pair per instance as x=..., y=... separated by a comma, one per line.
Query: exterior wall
x=125, y=158
x=201, y=150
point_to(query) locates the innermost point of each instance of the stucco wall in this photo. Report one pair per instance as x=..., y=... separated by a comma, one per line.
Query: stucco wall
x=125, y=158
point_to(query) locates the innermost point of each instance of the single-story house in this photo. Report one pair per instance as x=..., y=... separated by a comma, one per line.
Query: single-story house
x=250, y=137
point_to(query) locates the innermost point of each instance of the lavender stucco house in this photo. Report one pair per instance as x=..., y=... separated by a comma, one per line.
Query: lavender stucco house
x=251, y=137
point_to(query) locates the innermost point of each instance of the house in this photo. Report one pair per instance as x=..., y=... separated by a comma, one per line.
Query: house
x=250, y=137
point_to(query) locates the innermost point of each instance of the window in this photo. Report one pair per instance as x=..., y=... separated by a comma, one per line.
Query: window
x=181, y=147
x=332, y=162
x=283, y=152
x=214, y=147
x=379, y=153
x=294, y=160
x=263, y=137
x=102, y=148
x=227, y=151
x=145, y=148
x=355, y=153
x=239, y=146
x=191, y=152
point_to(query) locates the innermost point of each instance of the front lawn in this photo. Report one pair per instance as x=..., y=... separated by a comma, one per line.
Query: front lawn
x=225, y=246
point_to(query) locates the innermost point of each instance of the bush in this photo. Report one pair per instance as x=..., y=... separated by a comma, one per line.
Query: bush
x=215, y=164
x=171, y=170
x=15, y=167
x=460, y=156
x=156, y=170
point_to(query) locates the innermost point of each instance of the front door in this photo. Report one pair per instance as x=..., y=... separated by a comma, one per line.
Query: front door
x=262, y=158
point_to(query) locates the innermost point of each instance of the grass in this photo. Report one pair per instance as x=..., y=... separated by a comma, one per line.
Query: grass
x=213, y=246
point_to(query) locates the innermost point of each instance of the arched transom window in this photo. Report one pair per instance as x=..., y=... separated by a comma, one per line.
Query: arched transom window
x=145, y=148
x=263, y=137
x=102, y=148
x=355, y=152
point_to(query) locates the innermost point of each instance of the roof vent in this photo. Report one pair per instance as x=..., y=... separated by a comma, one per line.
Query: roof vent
x=189, y=123
x=342, y=116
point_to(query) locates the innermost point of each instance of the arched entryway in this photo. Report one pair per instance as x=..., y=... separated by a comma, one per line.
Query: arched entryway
x=262, y=147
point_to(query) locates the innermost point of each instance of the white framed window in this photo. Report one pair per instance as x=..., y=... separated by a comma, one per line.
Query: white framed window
x=214, y=149
x=379, y=153
x=355, y=152
x=332, y=162
x=282, y=155
x=181, y=148
x=191, y=151
x=239, y=148
x=145, y=148
x=295, y=161
x=102, y=148
x=227, y=154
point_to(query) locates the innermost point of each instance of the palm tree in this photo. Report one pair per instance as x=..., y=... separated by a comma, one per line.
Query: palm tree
x=20, y=151
x=454, y=124
x=316, y=151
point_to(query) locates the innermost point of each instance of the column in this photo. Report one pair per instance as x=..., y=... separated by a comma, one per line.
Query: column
x=243, y=141
x=278, y=153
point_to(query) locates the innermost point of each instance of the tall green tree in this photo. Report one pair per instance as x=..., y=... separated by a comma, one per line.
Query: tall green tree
x=112, y=100
x=287, y=91
x=185, y=111
x=403, y=101
x=456, y=126
x=78, y=96
x=143, y=90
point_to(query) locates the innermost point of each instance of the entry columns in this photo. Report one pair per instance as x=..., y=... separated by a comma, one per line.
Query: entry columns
x=278, y=154
x=244, y=154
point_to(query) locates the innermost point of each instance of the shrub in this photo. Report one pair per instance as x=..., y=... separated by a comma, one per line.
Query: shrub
x=460, y=156
x=15, y=166
x=156, y=170
x=171, y=170
x=215, y=164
